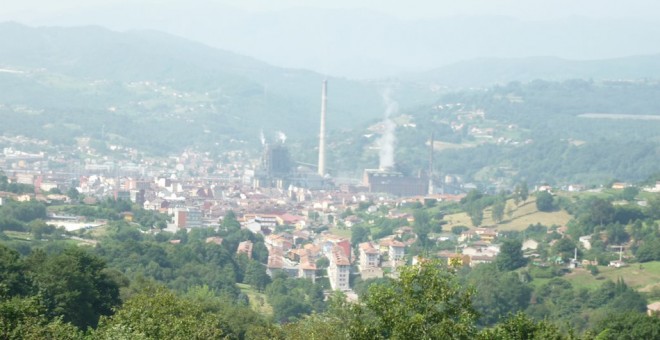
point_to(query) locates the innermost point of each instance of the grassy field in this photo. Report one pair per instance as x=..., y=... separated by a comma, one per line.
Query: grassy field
x=642, y=277
x=522, y=216
x=18, y=235
x=344, y=232
x=258, y=301
x=441, y=146
x=98, y=232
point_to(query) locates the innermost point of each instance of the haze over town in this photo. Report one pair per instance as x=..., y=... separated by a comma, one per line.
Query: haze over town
x=295, y=169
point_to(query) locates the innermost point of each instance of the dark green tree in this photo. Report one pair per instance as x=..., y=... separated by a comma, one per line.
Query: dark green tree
x=476, y=214
x=565, y=248
x=600, y=212
x=229, y=221
x=524, y=191
x=13, y=280
x=649, y=250
x=159, y=314
x=629, y=193
x=497, y=293
x=653, y=207
x=630, y=325
x=519, y=326
x=75, y=286
x=497, y=212
x=426, y=302
x=544, y=201
x=422, y=227
x=472, y=196
x=359, y=234
x=24, y=318
x=459, y=229
x=73, y=194
x=617, y=234
x=510, y=256
x=256, y=276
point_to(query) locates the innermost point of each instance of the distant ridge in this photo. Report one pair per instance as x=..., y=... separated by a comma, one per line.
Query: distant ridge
x=489, y=71
x=242, y=95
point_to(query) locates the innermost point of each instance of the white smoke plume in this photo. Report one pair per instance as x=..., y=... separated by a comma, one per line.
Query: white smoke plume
x=262, y=137
x=387, y=141
x=281, y=136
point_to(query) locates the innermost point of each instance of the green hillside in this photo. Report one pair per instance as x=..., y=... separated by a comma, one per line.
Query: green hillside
x=174, y=93
x=521, y=217
x=643, y=277
x=539, y=132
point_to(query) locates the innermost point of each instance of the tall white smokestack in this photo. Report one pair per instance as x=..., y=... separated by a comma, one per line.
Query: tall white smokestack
x=432, y=142
x=324, y=99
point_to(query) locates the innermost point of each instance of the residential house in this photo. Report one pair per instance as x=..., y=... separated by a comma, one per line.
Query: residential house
x=485, y=234
x=617, y=264
x=157, y=204
x=278, y=241
x=396, y=252
x=351, y=221
x=188, y=217
x=481, y=250
x=653, y=309
x=576, y=187
x=214, y=239
x=369, y=256
x=255, y=227
x=371, y=273
x=127, y=216
x=530, y=244
x=467, y=236
x=24, y=198
x=245, y=247
x=476, y=260
x=288, y=219
x=585, y=241
x=619, y=186
x=339, y=270
x=301, y=236
x=307, y=268
x=454, y=259
x=265, y=220
x=278, y=262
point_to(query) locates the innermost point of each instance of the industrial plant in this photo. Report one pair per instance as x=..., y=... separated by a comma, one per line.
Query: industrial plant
x=278, y=170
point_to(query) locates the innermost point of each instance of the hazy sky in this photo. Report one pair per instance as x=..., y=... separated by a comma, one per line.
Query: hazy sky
x=348, y=41
x=532, y=9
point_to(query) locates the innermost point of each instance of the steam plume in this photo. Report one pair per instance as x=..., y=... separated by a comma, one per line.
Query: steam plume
x=387, y=141
x=281, y=136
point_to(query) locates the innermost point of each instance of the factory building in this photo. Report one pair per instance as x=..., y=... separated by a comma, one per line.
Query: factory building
x=395, y=183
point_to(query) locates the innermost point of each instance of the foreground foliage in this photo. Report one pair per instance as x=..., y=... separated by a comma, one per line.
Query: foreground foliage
x=72, y=295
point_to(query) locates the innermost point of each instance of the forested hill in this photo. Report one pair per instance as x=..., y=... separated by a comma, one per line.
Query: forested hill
x=558, y=132
x=75, y=80
x=489, y=71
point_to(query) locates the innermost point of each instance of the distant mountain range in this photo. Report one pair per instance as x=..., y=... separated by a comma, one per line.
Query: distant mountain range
x=361, y=43
x=161, y=91
x=91, y=69
x=488, y=71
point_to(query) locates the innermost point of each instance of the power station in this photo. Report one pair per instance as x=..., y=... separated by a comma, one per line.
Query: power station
x=278, y=170
x=395, y=183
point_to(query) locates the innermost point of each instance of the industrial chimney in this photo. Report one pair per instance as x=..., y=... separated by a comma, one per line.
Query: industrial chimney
x=431, y=143
x=324, y=98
